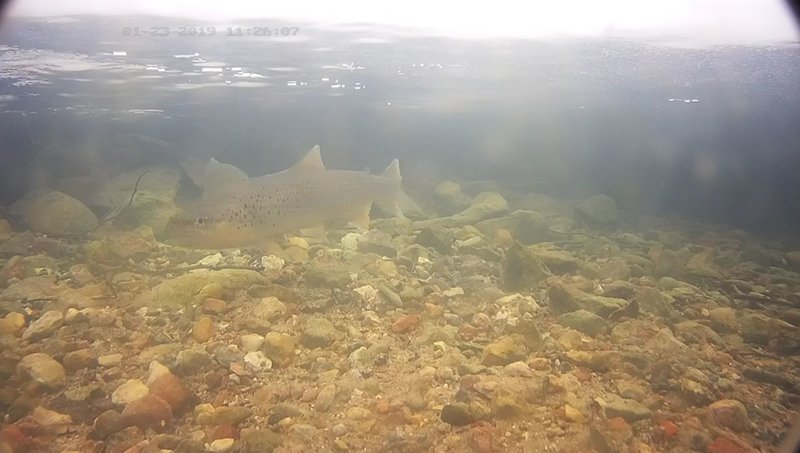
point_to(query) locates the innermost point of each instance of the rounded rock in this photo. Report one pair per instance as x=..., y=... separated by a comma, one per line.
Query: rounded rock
x=43, y=369
x=59, y=214
x=730, y=414
x=171, y=389
x=148, y=412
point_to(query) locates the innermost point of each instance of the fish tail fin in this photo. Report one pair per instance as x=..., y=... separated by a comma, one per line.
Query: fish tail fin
x=405, y=204
x=399, y=203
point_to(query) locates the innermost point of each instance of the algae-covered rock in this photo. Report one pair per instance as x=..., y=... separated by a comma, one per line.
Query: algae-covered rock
x=564, y=299
x=161, y=182
x=785, y=336
x=702, y=265
x=153, y=203
x=45, y=288
x=655, y=302
x=147, y=209
x=59, y=214
x=694, y=332
x=528, y=227
x=521, y=269
x=439, y=238
x=180, y=291
x=449, y=197
x=583, y=321
x=484, y=206
x=505, y=350
x=556, y=260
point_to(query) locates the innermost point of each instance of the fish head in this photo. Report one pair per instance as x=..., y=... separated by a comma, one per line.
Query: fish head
x=205, y=229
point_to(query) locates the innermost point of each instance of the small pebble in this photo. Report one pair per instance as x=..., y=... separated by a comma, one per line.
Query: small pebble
x=130, y=390
x=214, y=306
x=221, y=445
x=203, y=329
x=252, y=342
x=109, y=360
x=257, y=361
x=405, y=324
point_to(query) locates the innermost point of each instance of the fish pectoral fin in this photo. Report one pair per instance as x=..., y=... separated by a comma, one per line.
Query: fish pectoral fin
x=316, y=232
x=360, y=216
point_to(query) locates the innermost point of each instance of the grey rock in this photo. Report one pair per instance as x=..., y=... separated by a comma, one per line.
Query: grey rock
x=325, y=398
x=598, y=209
x=614, y=269
x=259, y=441
x=328, y=274
x=449, y=197
x=318, y=333
x=45, y=288
x=456, y=414
x=376, y=241
x=556, y=260
x=528, y=227
x=439, y=238
x=791, y=315
x=702, y=265
x=629, y=410
x=755, y=327
x=694, y=332
x=192, y=361
x=664, y=342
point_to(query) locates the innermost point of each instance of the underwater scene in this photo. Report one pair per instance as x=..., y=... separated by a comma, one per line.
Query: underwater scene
x=266, y=235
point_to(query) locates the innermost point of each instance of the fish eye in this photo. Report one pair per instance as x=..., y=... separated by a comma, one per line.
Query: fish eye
x=201, y=221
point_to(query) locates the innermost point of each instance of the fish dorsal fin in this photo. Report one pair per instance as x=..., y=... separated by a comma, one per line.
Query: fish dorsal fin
x=392, y=170
x=311, y=162
x=221, y=179
x=218, y=173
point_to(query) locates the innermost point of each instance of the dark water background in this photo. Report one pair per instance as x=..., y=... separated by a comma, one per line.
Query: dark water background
x=573, y=117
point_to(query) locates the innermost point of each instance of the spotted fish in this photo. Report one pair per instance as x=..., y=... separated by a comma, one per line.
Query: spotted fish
x=236, y=210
